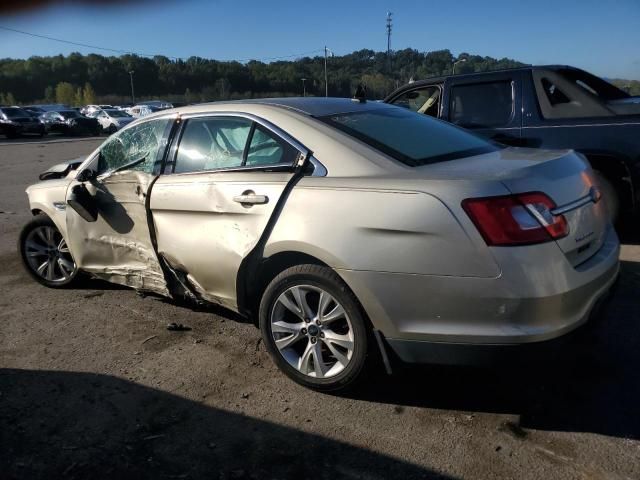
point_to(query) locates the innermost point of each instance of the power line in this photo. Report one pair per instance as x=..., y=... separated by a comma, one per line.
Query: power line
x=46, y=37
x=79, y=44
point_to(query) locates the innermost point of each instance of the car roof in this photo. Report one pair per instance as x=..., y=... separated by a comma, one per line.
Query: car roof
x=311, y=106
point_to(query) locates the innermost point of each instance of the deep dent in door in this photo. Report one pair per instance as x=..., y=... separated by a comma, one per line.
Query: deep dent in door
x=204, y=235
x=126, y=256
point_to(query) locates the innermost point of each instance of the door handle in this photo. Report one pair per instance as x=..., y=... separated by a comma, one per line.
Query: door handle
x=247, y=199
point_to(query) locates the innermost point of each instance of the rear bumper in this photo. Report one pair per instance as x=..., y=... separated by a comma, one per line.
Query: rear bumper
x=430, y=318
x=469, y=354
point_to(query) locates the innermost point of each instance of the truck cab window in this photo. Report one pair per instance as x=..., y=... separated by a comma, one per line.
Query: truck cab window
x=422, y=100
x=553, y=93
x=482, y=105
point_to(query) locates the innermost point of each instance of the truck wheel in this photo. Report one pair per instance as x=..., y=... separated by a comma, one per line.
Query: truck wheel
x=609, y=195
x=313, y=328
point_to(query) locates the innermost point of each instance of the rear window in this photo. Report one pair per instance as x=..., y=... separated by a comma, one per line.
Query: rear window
x=410, y=137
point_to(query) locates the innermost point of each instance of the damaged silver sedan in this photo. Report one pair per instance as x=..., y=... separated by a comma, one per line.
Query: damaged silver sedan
x=347, y=229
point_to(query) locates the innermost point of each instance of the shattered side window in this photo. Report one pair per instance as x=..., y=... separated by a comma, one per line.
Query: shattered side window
x=142, y=146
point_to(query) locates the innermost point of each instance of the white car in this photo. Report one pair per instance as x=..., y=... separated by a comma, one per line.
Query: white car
x=92, y=110
x=112, y=120
x=141, y=110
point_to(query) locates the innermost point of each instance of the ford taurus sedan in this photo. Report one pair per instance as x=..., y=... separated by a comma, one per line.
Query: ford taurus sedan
x=348, y=229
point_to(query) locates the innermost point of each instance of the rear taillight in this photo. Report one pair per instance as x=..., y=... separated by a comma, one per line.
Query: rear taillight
x=520, y=219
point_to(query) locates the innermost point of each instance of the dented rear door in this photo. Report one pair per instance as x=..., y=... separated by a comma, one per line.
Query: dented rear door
x=212, y=207
x=117, y=246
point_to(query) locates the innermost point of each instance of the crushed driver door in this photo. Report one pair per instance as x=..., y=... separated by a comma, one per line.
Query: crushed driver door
x=107, y=221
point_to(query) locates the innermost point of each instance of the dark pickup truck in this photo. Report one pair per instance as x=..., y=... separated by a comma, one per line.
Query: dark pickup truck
x=548, y=107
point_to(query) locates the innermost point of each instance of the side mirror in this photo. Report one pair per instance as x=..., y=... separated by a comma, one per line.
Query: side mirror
x=86, y=175
x=83, y=203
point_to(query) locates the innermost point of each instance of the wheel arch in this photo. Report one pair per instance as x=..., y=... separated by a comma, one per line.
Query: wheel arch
x=57, y=217
x=269, y=268
x=618, y=172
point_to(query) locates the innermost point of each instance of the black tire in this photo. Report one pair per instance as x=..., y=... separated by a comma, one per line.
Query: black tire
x=610, y=195
x=36, y=222
x=326, y=279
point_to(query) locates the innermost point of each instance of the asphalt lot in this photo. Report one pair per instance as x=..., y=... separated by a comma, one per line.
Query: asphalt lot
x=93, y=385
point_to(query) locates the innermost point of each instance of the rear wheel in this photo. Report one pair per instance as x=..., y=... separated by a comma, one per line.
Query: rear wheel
x=45, y=253
x=313, y=328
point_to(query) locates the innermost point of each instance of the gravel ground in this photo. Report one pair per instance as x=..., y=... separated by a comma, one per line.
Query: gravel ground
x=92, y=385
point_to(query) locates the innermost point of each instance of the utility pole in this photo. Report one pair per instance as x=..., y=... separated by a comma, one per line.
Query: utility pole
x=304, y=87
x=133, y=98
x=389, y=28
x=326, y=82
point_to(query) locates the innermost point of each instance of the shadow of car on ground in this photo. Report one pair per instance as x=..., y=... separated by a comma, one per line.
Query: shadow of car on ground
x=81, y=425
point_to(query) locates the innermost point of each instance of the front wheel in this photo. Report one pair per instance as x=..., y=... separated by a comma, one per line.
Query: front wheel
x=45, y=253
x=313, y=328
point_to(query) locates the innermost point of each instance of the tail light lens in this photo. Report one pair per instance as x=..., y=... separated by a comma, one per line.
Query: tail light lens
x=521, y=219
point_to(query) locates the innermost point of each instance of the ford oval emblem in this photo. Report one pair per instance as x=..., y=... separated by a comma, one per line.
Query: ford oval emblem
x=595, y=194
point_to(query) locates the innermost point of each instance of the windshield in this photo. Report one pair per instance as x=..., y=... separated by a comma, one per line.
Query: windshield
x=69, y=114
x=14, y=112
x=117, y=114
x=412, y=138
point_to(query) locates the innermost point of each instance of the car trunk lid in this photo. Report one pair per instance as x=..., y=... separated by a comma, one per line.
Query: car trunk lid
x=562, y=175
x=571, y=184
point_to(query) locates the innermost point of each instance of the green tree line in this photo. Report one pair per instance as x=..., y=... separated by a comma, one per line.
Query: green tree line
x=199, y=79
x=80, y=79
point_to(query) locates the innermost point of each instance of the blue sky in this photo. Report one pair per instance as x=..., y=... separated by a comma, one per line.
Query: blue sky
x=602, y=36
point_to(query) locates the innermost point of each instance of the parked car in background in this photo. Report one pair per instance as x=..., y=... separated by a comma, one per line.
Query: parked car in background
x=89, y=110
x=138, y=111
x=15, y=122
x=337, y=227
x=549, y=107
x=112, y=120
x=34, y=111
x=70, y=122
x=159, y=104
x=49, y=107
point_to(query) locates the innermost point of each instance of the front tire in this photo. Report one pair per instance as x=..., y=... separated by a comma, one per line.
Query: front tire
x=45, y=253
x=313, y=328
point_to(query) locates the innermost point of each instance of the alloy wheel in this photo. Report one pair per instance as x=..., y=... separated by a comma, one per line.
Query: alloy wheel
x=48, y=255
x=312, y=331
